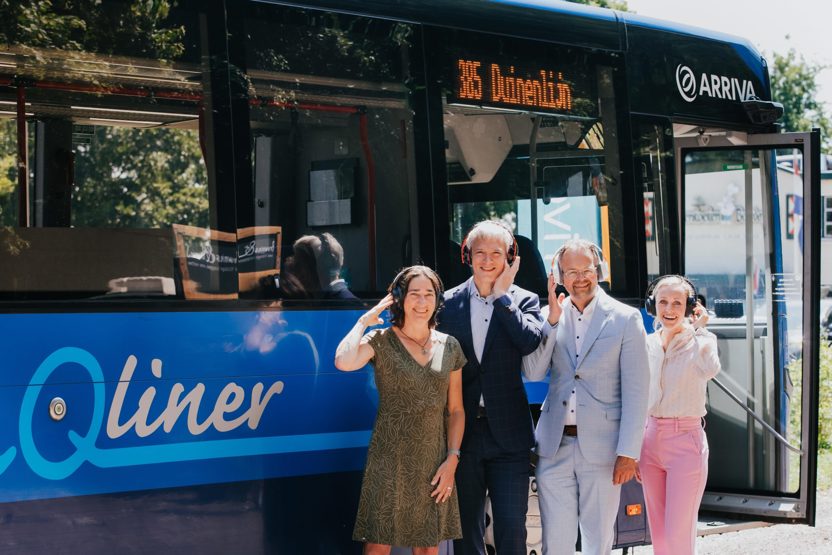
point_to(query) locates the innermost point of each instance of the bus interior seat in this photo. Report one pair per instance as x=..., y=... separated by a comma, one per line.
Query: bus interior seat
x=532, y=274
x=457, y=271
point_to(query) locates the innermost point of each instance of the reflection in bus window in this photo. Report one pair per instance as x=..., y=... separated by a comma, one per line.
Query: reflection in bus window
x=654, y=169
x=532, y=143
x=332, y=150
x=115, y=153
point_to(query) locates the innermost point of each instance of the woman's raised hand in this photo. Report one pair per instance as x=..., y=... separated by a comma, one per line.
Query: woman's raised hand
x=699, y=316
x=373, y=316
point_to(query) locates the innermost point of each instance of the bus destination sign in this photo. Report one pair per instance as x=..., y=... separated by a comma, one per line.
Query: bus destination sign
x=489, y=83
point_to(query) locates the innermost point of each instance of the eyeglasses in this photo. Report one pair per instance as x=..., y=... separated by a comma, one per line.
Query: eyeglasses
x=586, y=274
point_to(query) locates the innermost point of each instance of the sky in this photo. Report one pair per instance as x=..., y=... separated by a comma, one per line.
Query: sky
x=807, y=27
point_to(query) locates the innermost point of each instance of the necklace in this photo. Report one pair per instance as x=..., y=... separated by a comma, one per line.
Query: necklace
x=423, y=345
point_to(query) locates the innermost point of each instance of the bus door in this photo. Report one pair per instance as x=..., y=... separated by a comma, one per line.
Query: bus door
x=750, y=243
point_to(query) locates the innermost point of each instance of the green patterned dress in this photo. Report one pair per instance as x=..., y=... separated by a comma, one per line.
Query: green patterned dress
x=407, y=446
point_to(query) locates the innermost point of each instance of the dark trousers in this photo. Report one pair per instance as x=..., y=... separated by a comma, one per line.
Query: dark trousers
x=485, y=467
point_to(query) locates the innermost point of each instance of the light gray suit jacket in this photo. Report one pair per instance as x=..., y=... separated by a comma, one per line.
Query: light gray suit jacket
x=611, y=379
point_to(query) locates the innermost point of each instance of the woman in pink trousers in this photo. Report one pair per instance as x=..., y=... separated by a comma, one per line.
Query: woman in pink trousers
x=673, y=466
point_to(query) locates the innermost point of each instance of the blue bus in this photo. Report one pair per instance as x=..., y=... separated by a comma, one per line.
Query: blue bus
x=199, y=198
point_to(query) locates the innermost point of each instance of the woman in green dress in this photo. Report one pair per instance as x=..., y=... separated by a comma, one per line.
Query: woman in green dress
x=407, y=495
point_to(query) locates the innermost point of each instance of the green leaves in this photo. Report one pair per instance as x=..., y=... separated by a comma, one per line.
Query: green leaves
x=140, y=178
x=793, y=84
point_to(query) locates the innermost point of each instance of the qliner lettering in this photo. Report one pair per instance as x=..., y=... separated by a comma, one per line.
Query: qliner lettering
x=86, y=441
x=229, y=400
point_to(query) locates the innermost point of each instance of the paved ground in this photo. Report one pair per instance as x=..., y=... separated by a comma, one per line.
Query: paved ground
x=779, y=539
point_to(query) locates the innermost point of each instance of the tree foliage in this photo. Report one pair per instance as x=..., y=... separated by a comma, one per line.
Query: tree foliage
x=8, y=171
x=825, y=402
x=141, y=178
x=134, y=178
x=136, y=27
x=620, y=5
x=125, y=177
x=793, y=84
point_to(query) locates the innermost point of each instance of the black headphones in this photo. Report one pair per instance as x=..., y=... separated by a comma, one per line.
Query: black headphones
x=600, y=263
x=398, y=293
x=396, y=288
x=650, y=299
x=465, y=250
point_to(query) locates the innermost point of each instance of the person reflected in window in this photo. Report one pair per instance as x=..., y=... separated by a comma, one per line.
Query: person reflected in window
x=314, y=270
x=329, y=255
x=408, y=497
x=673, y=466
x=299, y=275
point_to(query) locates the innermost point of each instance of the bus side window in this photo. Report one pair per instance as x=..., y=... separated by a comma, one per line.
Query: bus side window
x=116, y=161
x=332, y=138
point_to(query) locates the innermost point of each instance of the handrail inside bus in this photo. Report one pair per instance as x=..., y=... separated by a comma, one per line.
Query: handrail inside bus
x=753, y=415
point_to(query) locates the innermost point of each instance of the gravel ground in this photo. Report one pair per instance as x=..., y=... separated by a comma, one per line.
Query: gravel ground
x=780, y=539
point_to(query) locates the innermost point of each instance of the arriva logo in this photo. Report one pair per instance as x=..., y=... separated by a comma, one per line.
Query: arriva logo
x=712, y=85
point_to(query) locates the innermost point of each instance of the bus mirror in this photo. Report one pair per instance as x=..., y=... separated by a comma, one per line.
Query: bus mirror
x=762, y=112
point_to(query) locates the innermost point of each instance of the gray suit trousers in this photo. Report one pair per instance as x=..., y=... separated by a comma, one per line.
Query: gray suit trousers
x=570, y=486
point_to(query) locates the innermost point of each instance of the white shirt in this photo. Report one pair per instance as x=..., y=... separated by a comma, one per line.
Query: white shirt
x=580, y=323
x=679, y=376
x=482, y=309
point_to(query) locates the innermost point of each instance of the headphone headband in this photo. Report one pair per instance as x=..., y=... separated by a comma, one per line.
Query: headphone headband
x=395, y=289
x=465, y=249
x=600, y=262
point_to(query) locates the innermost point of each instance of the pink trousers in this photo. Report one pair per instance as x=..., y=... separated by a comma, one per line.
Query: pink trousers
x=674, y=469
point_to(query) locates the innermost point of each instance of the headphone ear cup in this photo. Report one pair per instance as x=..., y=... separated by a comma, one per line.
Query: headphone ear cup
x=690, y=306
x=603, y=271
x=650, y=305
x=603, y=267
x=556, y=266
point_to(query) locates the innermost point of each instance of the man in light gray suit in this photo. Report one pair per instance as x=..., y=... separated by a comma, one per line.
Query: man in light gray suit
x=591, y=423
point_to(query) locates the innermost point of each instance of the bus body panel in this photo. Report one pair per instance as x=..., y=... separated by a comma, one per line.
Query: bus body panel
x=222, y=426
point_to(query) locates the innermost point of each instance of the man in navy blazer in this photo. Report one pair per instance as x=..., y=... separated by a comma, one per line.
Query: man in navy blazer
x=497, y=323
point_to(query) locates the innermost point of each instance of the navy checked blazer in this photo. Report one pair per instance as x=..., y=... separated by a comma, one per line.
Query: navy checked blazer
x=514, y=331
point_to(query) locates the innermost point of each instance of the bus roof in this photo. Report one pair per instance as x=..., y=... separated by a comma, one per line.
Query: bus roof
x=547, y=20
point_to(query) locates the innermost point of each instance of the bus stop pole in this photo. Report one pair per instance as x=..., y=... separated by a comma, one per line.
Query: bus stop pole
x=749, y=320
x=22, y=159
